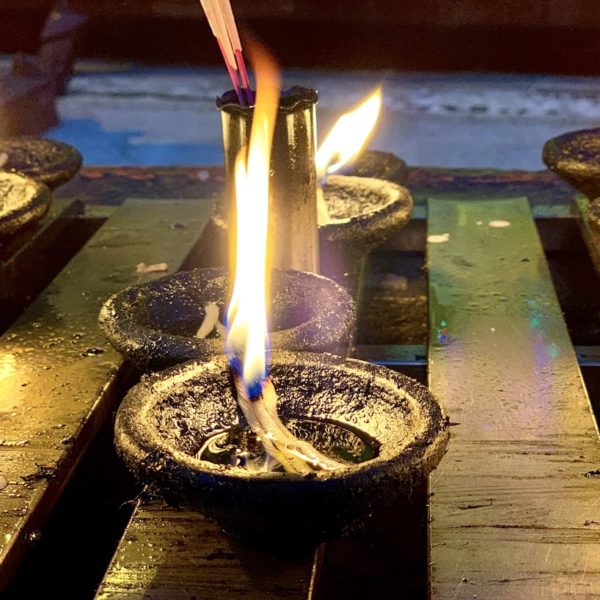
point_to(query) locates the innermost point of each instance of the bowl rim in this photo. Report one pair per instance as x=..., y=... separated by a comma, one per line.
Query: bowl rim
x=130, y=334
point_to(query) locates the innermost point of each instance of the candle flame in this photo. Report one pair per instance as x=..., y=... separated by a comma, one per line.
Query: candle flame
x=247, y=336
x=349, y=135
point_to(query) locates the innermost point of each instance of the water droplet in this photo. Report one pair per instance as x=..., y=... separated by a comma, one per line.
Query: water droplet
x=93, y=351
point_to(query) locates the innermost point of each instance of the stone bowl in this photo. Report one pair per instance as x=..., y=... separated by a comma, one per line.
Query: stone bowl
x=575, y=156
x=364, y=211
x=166, y=419
x=154, y=324
x=380, y=165
x=51, y=162
x=23, y=202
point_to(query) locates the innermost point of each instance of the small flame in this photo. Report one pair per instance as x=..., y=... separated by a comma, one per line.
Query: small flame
x=247, y=336
x=349, y=135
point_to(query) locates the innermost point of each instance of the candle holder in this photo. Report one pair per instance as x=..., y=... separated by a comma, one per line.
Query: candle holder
x=364, y=211
x=51, y=162
x=23, y=201
x=293, y=178
x=176, y=430
x=380, y=165
x=575, y=156
x=154, y=324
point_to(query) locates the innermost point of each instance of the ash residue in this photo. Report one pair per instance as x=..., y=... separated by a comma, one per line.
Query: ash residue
x=349, y=197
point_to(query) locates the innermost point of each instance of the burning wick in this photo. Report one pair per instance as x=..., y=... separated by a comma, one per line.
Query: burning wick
x=247, y=331
x=344, y=142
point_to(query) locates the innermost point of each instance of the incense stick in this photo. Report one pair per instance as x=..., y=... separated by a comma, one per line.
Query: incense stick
x=222, y=24
x=237, y=47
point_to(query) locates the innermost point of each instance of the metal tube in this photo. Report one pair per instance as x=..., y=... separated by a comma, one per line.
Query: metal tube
x=293, y=203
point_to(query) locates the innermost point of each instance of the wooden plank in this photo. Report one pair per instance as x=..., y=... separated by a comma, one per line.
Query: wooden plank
x=514, y=506
x=57, y=372
x=175, y=554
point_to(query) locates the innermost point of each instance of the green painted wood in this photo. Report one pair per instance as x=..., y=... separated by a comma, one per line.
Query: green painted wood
x=515, y=503
x=170, y=554
x=57, y=372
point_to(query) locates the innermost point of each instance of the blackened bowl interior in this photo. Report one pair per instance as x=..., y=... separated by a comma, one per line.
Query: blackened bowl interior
x=23, y=201
x=363, y=210
x=165, y=419
x=154, y=324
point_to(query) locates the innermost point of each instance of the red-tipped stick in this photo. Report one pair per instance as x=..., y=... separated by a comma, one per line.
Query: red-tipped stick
x=216, y=21
x=232, y=74
x=236, y=44
x=244, y=76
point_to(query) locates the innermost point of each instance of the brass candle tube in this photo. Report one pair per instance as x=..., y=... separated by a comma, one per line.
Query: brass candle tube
x=293, y=179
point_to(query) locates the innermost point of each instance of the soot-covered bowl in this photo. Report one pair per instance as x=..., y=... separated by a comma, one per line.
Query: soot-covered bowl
x=363, y=212
x=154, y=324
x=23, y=202
x=575, y=156
x=49, y=161
x=166, y=420
x=380, y=165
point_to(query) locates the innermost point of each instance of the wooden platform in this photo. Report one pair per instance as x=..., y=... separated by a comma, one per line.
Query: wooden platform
x=514, y=503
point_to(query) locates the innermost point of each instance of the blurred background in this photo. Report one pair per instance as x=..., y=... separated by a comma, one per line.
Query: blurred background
x=467, y=83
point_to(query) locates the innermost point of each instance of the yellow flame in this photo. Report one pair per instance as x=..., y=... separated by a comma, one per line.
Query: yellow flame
x=247, y=334
x=349, y=135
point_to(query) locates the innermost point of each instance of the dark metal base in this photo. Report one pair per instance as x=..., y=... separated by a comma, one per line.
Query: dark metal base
x=154, y=324
x=164, y=420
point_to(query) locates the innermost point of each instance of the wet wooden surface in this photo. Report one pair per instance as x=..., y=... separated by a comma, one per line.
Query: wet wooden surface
x=514, y=505
x=58, y=375
x=178, y=554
